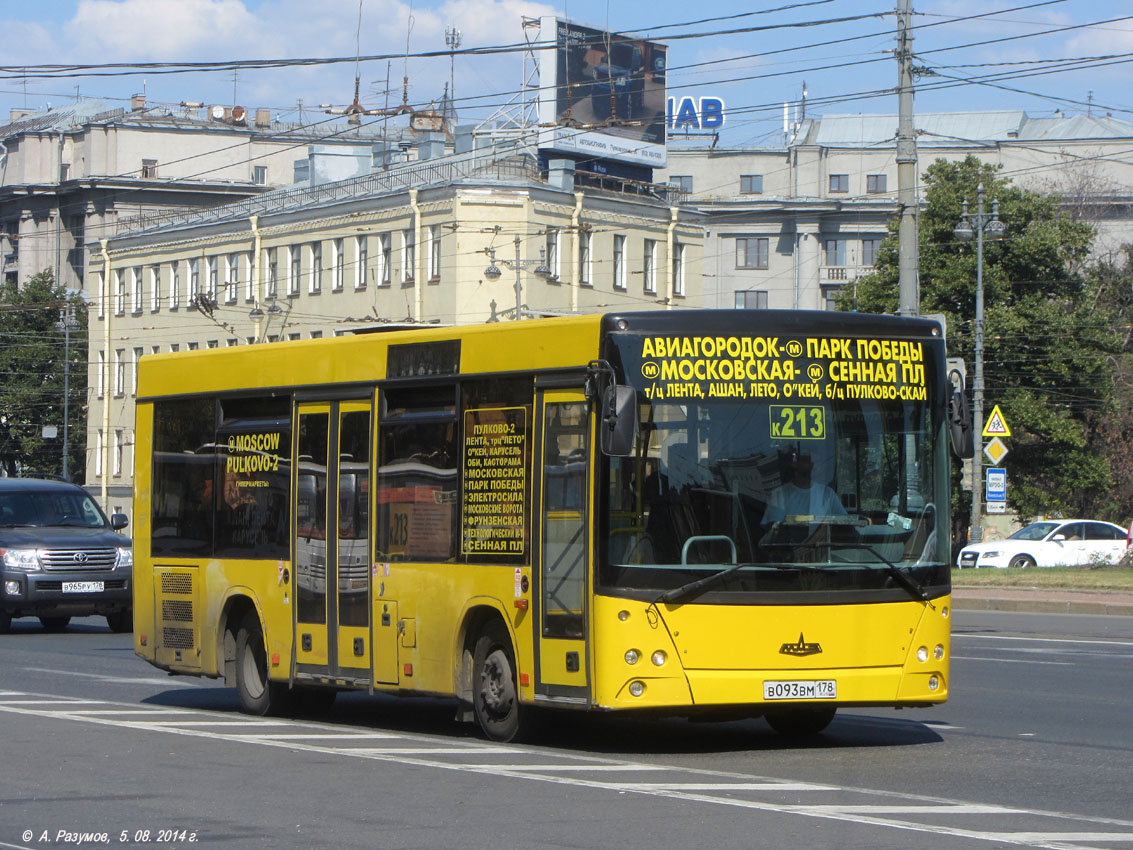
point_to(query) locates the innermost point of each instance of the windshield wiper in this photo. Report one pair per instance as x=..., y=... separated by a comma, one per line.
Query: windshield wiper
x=694, y=587
x=916, y=590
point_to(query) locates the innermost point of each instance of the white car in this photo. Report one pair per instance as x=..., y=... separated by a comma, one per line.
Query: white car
x=1050, y=543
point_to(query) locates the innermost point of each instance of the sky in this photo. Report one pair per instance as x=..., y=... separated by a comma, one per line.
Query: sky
x=1035, y=55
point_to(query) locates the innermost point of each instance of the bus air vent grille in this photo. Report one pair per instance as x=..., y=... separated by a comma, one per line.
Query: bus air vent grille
x=177, y=610
x=177, y=638
x=176, y=583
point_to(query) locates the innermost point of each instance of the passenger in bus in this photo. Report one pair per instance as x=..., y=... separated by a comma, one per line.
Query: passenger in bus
x=800, y=496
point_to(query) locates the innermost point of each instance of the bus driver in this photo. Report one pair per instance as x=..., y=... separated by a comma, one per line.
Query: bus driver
x=800, y=497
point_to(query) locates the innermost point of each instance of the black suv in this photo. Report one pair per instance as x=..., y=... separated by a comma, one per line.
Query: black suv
x=60, y=556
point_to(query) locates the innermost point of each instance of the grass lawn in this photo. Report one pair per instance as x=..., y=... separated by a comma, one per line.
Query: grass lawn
x=1061, y=578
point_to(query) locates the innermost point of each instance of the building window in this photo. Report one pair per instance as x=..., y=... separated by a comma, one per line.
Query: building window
x=294, y=257
x=875, y=184
x=408, y=256
x=174, y=285
x=249, y=281
x=273, y=272
x=99, y=284
x=385, y=259
x=260, y=175
x=619, y=262
x=119, y=371
x=101, y=374
x=682, y=182
x=118, y=450
x=434, y=253
x=194, y=346
x=149, y=169
x=136, y=289
x=119, y=293
x=839, y=183
x=829, y=294
x=232, y=285
x=834, y=252
x=137, y=358
x=213, y=343
x=678, y=269
x=98, y=453
x=584, y=259
x=194, y=279
x=339, y=248
x=155, y=288
x=751, y=184
x=870, y=247
x=361, y=252
x=752, y=253
x=649, y=266
x=551, y=253
x=213, y=277
x=751, y=299
x=315, y=281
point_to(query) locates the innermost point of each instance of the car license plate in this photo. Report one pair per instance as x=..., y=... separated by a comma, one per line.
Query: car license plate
x=83, y=586
x=806, y=689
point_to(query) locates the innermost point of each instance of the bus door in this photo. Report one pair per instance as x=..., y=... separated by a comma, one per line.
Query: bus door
x=332, y=541
x=563, y=549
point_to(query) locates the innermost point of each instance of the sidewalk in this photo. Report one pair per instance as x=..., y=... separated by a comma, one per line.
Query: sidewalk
x=1042, y=601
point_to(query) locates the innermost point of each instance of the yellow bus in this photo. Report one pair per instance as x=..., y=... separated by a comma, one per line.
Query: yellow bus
x=716, y=513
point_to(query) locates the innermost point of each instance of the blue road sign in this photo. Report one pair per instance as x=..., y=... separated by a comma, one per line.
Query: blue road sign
x=996, y=484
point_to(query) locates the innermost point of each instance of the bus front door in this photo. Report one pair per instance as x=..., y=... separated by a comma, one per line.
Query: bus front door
x=332, y=542
x=563, y=554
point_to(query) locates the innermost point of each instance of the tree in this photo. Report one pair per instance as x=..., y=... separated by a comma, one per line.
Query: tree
x=32, y=373
x=1046, y=337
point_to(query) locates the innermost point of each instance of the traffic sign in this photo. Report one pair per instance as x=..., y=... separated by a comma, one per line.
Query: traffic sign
x=996, y=450
x=996, y=425
x=996, y=484
x=997, y=507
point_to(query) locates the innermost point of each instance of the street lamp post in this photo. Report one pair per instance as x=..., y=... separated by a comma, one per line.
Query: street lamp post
x=977, y=225
x=492, y=272
x=66, y=324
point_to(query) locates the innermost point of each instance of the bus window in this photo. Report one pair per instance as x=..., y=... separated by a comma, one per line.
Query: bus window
x=184, y=460
x=417, y=474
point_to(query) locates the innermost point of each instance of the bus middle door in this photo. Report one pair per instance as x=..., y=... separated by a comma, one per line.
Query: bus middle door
x=563, y=589
x=332, y=542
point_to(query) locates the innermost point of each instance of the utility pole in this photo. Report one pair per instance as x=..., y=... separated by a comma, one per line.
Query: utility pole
x=908, y=303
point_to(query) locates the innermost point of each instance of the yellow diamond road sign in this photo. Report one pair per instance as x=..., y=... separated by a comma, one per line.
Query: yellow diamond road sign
x=995, y=450
x=996, y=425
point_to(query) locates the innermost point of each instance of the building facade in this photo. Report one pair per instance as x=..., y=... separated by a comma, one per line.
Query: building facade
x=72, y=176
x=789, y=227
x=407, y=245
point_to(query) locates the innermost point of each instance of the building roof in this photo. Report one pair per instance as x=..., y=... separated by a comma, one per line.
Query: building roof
x=946, y=129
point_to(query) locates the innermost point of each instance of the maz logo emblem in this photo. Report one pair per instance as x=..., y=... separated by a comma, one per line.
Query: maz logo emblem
x=801, y=648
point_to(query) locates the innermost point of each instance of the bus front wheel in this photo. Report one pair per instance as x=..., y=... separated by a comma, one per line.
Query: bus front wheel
x=495, y=697
x=809, y=720
x=258, y=695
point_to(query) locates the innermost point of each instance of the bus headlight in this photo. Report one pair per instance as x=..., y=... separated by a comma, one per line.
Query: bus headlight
x=659, y=658
x=922, y=654
x=632, y=656
x=938, y=651
x=933, y=683
x=636, y=689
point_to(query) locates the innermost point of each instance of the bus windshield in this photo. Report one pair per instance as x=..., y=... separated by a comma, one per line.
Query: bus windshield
x=833, y=491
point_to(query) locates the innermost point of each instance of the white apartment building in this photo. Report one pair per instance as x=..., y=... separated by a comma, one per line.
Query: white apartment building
x=787, y=227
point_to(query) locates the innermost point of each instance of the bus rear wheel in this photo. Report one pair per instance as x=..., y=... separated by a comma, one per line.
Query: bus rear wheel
x=495, y=696
x=807, y=720
x=258, y=695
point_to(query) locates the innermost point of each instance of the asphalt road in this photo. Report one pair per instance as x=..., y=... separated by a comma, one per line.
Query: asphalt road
x=1033, y=749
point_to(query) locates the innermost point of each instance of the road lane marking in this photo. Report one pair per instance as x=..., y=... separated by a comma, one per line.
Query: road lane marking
x=1044, y=640
x=417, y=754
x=353, y=736
x=123, y=680
x=1012, y=660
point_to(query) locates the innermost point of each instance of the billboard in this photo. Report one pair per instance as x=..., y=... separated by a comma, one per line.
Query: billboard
x=601, y=94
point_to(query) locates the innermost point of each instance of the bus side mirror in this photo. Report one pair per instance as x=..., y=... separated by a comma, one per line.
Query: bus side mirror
x=618, y=427
x=960, y=426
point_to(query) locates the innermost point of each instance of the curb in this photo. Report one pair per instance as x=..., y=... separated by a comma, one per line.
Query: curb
x=1043, y=601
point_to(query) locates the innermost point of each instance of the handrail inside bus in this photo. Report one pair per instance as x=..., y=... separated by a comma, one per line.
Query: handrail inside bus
x=705, y=538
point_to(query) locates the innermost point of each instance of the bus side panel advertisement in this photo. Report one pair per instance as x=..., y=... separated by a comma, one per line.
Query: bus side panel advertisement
x=495, y=482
